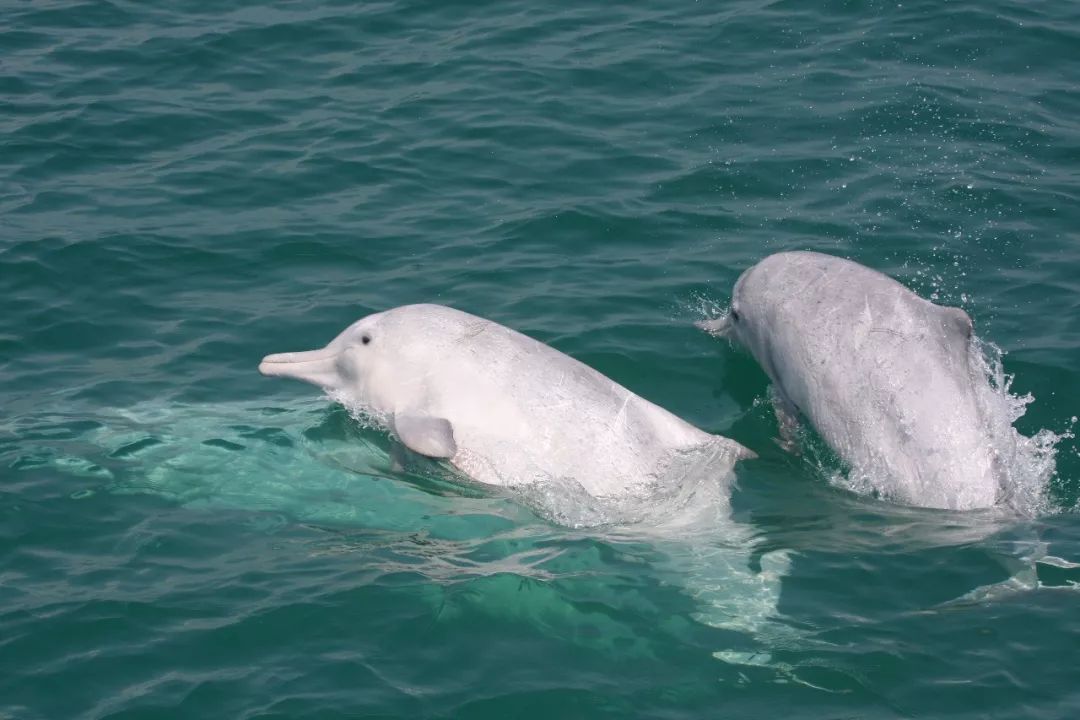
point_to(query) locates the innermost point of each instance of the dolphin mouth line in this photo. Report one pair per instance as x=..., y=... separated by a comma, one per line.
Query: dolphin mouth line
x=292, y=359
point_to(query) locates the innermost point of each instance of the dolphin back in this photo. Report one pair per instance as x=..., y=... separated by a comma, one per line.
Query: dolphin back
x=884, y=375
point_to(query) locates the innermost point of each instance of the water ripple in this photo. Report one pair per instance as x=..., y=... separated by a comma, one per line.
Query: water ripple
x=181, y=187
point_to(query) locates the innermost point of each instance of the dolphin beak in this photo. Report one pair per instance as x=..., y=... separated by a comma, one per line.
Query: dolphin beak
x=317, y=367
x=717, y=327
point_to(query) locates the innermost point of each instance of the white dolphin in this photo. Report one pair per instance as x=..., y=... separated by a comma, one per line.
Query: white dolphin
x=889, y=380
x=501, y=407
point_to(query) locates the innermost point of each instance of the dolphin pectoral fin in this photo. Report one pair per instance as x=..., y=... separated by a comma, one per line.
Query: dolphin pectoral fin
x=426, y=435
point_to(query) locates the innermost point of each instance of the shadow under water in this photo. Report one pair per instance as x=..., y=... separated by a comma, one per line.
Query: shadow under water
x=561, y=554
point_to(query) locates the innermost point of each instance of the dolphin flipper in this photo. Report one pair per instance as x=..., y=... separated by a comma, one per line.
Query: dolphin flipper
x=426, y=435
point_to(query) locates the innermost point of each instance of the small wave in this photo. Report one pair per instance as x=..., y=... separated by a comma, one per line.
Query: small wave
x=363, y=415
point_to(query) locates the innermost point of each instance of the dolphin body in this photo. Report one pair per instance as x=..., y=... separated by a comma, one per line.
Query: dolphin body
x=501, y=407
x=889, y=380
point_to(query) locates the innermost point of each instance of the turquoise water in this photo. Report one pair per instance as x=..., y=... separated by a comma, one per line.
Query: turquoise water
x=185, y=188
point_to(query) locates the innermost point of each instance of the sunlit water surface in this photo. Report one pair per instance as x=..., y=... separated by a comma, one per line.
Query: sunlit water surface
x=186, y=189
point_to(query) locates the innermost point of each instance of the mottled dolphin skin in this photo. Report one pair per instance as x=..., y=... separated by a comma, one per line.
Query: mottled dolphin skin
x=889, y=380
x=501, y=407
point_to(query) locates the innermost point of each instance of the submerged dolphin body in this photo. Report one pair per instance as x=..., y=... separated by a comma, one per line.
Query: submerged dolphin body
x=889, y=380
x=501, y=407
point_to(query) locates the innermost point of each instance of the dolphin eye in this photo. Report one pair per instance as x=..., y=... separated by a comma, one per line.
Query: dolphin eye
x=734, y=315
x=365, y=338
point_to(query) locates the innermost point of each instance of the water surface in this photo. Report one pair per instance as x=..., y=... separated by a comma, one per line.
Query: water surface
x=186, y=189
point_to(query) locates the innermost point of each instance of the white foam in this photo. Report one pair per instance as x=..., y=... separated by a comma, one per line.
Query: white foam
x=1028, y=463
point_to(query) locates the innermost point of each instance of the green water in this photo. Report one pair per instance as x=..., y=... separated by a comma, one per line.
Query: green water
x=186, y=187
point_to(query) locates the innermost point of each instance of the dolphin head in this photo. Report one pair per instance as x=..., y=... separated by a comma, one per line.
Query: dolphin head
x=381, y=362
x=349, y=363
x=747, y=319
x=733, y=325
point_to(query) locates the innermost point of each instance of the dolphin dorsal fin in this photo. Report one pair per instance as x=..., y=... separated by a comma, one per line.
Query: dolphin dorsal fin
x=426, y=435
x=956, y=319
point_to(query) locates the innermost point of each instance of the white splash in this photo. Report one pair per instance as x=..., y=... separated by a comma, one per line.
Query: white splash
x=1028, y=463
